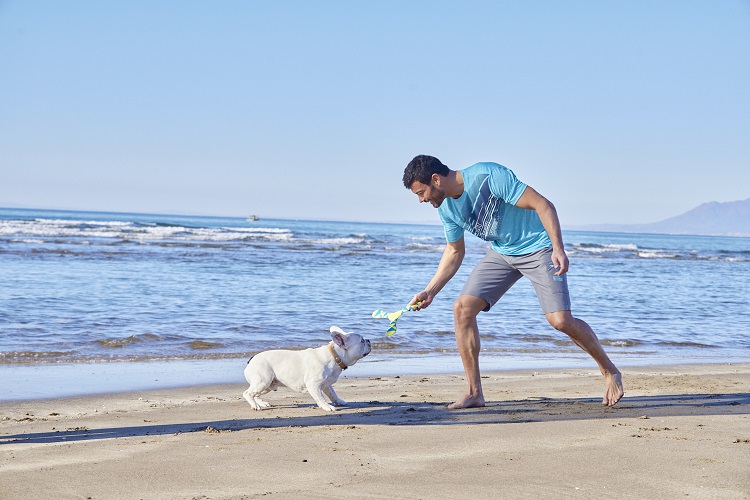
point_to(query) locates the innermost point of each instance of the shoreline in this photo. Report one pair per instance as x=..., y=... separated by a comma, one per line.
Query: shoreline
x=32, y=381
x=680, y=430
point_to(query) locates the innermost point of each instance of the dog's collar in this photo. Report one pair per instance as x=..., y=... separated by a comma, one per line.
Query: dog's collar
x=336, y=357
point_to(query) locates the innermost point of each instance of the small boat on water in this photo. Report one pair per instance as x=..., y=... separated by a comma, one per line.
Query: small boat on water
x=253, y=217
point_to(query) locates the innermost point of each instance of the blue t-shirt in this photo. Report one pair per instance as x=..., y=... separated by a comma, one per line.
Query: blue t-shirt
x=487, y=208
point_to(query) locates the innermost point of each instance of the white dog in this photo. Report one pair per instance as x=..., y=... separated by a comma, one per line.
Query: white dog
x=314, y=370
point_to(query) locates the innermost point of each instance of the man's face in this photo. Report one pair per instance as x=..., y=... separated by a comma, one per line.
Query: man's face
x=431, y=192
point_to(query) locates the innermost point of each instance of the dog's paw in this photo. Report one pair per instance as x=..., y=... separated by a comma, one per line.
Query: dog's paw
x=256, y=403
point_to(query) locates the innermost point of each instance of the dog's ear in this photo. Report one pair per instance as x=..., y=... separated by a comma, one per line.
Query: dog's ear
x=339, y=336
x=336, y=329
x=339, y=340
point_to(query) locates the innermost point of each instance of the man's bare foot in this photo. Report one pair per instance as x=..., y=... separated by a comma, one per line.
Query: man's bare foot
x=468, y=401
x=613, y=390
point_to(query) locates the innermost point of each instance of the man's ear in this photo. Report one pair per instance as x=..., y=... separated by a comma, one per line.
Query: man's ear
x=436, y=180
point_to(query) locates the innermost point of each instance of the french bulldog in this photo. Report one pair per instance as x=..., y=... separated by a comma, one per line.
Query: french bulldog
x=314, y=369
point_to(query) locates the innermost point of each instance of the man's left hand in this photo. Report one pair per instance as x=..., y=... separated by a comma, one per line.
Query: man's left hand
x=560, y=260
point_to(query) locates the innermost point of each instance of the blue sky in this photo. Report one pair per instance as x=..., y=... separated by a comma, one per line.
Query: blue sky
x=619, y=112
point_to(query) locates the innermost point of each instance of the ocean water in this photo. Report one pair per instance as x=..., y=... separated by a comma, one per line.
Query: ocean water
x=83, y=287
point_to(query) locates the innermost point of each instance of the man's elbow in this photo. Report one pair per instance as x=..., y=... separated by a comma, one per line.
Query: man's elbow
x=458, y=253
x=546, y=207
x=551, y=207
x=455, y=251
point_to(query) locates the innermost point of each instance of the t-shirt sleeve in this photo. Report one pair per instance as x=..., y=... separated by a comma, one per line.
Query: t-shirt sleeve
x=453, y=232
x=505, y=185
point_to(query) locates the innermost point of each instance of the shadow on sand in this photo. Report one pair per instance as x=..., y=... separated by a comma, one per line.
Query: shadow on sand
x=409, y=413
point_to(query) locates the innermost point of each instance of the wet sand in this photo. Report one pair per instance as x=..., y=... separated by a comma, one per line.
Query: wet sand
x=680, y=432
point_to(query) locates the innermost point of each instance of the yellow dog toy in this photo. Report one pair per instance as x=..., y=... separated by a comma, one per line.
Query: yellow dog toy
x=392, y=317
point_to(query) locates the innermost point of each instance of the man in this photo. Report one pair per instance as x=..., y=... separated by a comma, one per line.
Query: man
x=526, y=240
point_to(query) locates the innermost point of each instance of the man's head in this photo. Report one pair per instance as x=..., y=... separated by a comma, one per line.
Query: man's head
x=424, y=175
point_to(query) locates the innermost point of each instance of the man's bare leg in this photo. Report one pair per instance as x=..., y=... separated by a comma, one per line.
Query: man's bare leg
x=581, y=333
x=465, y=311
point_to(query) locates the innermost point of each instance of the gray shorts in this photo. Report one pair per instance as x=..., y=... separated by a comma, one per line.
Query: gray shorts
x=496, y=273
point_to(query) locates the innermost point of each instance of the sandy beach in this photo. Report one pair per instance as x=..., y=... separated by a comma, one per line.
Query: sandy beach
x=680, y=432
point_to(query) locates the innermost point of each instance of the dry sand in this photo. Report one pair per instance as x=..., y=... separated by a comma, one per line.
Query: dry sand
x=680, y=432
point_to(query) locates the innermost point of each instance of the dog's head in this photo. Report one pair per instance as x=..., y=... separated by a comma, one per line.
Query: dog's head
x=355, y=346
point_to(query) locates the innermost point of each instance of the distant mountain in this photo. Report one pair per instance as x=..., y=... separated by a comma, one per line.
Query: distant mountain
x=730, y=218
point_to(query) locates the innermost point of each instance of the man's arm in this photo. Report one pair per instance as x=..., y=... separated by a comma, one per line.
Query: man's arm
x=453, y=256
x=531, y=200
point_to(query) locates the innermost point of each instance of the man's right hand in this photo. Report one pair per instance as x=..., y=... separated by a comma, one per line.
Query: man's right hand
x=424, y=297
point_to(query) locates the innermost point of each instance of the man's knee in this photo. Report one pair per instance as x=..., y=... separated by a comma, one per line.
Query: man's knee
x=562, y=321
x=466, y=307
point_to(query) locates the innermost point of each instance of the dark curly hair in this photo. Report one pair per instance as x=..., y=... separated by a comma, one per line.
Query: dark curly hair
x=421, y=169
